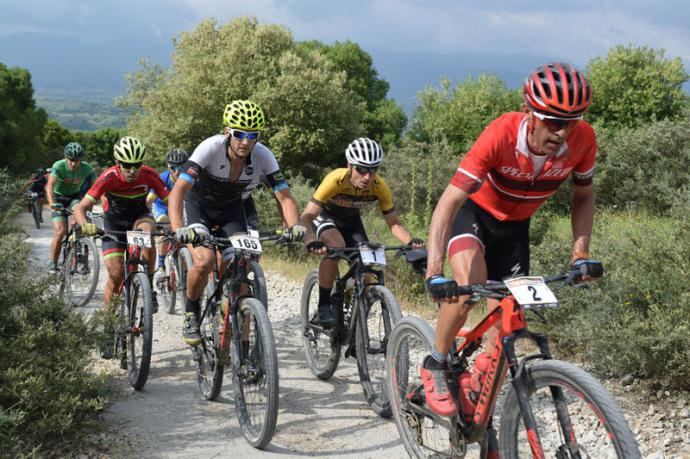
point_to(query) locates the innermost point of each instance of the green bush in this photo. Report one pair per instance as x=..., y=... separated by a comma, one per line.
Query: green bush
x=644, y=168
x=636, y=319
x=48, y=394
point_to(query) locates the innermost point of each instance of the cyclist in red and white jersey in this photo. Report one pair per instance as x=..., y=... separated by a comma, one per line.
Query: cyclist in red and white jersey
x=125, y=187
x=482, y=218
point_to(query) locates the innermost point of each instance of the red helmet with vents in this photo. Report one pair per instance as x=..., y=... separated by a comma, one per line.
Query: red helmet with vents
x=558, y=89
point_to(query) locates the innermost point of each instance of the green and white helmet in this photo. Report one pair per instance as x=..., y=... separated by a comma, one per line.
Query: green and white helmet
x=129, y=150
x=74, y=151
x=245, y=115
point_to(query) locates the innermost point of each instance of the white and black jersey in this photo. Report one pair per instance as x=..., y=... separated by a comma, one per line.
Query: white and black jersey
x=208, y=170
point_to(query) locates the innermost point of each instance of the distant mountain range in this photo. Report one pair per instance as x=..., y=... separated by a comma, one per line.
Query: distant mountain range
x=64, y=69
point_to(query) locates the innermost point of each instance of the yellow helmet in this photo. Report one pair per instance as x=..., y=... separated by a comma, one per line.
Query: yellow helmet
x=129, y=150
x=245, y=115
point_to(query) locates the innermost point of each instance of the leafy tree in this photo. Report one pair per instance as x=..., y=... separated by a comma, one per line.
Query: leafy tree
x=462, y=115
x=310, y=116
x=384, y=120
x=99, y=146
x=21, y=123
x=55, y=137
x=635, y=85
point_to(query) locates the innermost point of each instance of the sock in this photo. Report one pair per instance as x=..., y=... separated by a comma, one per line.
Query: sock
x=324, y=295
x=437, y=356
x=192, y=306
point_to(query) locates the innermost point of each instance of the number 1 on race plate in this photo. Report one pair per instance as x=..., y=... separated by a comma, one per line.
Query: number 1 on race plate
x=373, y=256
x=139, y=238
x=530, y=291
x=247, y=243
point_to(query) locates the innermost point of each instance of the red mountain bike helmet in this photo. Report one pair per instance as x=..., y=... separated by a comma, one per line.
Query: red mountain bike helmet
x=558, y=89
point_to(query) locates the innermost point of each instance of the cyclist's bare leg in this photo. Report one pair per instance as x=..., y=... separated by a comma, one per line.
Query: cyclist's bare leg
x=59, y=231
x=116, y=275
x=149, y=255
x=468, y=267
x=328, y=268
x=197, y=275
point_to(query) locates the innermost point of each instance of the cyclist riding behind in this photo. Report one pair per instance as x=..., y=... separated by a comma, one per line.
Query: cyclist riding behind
x=209, y=192
x=64, y=191
x=334, y=214
x=125, y=187
x=482, y=218
x=37, y=184
x=176, y=158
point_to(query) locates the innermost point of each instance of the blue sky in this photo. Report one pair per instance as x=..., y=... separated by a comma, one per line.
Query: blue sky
x=572, y=31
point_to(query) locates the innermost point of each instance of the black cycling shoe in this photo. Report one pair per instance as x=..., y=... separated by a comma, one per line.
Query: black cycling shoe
x=327, y=316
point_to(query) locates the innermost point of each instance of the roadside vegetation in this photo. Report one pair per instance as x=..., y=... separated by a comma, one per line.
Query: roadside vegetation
x=49, y=393
x=318, y=97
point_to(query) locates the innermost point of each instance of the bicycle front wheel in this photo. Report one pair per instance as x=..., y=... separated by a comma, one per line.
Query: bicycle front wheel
x=421, y=432
x=209, y=374
x=380, y=313
x=257, y=282
x=140, y=331
x=168, y=284
x=576, y=416
x=80, y=272
x=255, y=373
x=321, y=347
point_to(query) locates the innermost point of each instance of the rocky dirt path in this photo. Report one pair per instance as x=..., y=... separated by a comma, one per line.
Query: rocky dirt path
x=169, y=418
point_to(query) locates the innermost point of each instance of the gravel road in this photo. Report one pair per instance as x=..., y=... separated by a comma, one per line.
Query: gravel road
x=170, y=418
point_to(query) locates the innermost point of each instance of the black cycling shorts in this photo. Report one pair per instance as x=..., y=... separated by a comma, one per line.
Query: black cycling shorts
x=116, y=247
x=230, y=220
x=250, y=214
x=351, y=228
x=505, y=243
x=68, y=202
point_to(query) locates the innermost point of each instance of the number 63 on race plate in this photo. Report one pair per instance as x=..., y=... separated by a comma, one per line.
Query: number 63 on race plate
x=531, y=291
x=139, y=238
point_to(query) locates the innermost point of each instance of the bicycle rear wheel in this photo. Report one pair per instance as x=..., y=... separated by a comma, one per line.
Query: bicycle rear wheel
x=80, y=272
x=35, y=213
x=595, y=424
x=381, y=313
x=321, y=347
x=140, y=331
x=423, y=434
x=209, y=373
x=255, y=373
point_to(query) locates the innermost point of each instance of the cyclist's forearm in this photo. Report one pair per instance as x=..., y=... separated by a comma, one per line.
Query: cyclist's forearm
x=289, y=207
x=582, y=218
x=80, y=211
x=175, y=201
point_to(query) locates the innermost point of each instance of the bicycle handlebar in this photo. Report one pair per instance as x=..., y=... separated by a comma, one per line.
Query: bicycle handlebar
x=590, y=268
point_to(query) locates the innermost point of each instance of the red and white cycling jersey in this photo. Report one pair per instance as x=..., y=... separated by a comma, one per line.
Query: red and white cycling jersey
x=499, y=174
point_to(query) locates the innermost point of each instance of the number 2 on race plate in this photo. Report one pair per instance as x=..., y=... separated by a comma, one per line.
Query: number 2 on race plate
x=530, y=291
x=139, y=238
x=373, y=256
x=247, y=243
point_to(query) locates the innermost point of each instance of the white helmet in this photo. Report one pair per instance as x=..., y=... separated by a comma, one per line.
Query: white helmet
x=364, y=152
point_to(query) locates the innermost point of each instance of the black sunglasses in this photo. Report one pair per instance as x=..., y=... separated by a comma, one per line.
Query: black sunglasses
x=366, y=170
x=129, y=166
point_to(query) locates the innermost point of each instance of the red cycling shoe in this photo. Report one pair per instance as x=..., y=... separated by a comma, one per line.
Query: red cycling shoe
x=438, y=397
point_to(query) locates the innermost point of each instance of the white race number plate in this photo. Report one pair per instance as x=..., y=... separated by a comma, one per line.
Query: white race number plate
x=247, y=243
x=139, y=238
x=373, y=256
x=529, y=291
